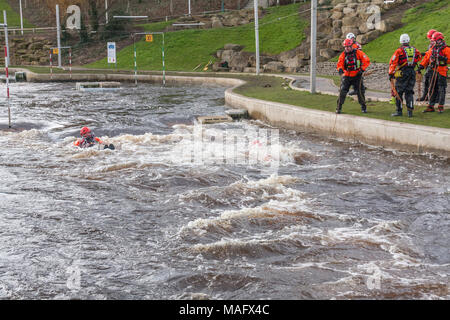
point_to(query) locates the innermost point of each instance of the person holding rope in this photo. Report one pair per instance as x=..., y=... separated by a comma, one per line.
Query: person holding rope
x=438, y=57
x=429, y=71
x=351, y=65
x=401, y=68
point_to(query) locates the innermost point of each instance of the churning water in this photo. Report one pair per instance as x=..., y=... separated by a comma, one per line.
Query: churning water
x=335, y=221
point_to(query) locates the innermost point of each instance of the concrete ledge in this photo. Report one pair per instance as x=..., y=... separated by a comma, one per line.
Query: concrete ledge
x=403, y=136
x=79, y=77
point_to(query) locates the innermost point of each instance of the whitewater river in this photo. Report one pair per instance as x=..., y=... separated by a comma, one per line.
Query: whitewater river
x=153, y=220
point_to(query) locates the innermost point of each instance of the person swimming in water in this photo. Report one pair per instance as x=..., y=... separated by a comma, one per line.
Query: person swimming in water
x=88, y=139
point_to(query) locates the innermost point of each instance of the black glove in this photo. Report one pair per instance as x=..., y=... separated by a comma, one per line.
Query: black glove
x=423, y=54
x=341, y=72
x=391, y=76
x=420, y=68
x=360, y=72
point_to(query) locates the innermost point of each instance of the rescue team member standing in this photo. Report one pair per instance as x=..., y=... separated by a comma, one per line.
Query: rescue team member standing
x=401, y=67
x=357, y=46
x=438, y=57
x=429, y=71
x=352, y=63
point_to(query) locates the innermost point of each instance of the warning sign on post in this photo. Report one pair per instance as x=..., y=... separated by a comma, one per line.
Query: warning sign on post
x=112, y=52
x=149, y=37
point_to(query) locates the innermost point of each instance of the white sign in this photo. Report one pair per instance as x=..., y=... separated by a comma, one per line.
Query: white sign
x=112, y=52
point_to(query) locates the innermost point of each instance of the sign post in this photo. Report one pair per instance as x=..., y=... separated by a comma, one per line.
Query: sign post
x=149, y=38
x=7, y=67
x=57, y=51
x=5, y=23
x=112, y=57
x=51, y=65
x=58, y=35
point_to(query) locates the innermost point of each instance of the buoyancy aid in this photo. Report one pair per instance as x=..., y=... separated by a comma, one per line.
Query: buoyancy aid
x=438, y=58
x=87, y=142
x=352, y=63
x=407, y=57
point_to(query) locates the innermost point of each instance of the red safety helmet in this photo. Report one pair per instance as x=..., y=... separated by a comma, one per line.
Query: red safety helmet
x=347, y=43
x=430, y=33
x=437, y=36
x=85, y=131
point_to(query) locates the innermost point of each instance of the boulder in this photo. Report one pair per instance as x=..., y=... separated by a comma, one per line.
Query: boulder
x=327, y=53
x=348, y=29
x=294, y=62
x=324, y=29
x=335, y=44
x=262, y=60
x=337, y=24
x=336, y=32
x=323, y=15
x=274, y=66
x=339, y=6
x=227, y=55
x=231, y=22
x=362, y=8
x=351, y=21
x=367, y=37
x=240, y=60
x=364, y=28
x=216, y=23
x=216, y=66
x=337, y=15
x=219, y=54
x=207, y=25
x=388, y=25
x=284, y=56
x=348, y=10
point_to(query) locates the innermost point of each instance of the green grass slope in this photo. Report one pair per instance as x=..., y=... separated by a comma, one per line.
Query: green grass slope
x=280, y=30
x=13, y=17
x=418, y=20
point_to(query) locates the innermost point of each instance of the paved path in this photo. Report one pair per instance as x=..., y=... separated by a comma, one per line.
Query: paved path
x=327, y=86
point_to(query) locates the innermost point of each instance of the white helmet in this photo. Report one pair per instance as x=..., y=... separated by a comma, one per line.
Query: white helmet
x=404, y=38
x=350, y=36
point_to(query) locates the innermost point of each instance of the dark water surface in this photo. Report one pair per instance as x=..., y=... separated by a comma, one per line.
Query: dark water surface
x=335, y=221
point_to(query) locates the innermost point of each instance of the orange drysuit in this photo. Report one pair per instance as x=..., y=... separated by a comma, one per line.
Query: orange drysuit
x=351, y=63
x=443, y=59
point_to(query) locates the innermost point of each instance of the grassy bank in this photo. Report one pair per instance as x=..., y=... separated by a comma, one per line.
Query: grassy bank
x=417, y=21
x=271, y=89
x=280, y=30
x=13, y=18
